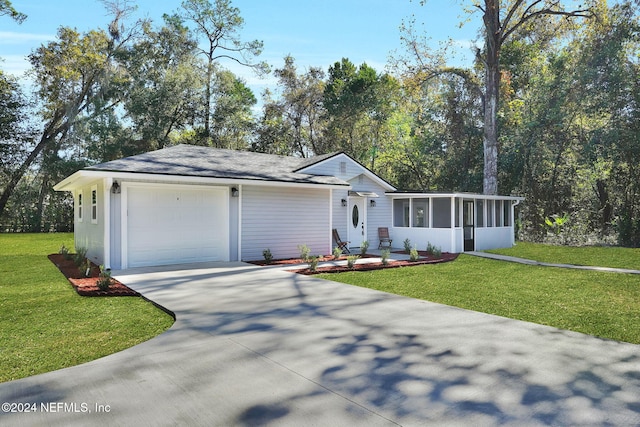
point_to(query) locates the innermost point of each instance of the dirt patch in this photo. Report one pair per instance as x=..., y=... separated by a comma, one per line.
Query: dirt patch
x=87, y=286
x=445, y=257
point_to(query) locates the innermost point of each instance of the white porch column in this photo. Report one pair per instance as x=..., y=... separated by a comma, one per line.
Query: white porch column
x=240, y=222
x=106, y=226
x=453, y=224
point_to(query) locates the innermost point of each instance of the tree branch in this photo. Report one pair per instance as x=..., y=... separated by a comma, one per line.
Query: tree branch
x=528, y=15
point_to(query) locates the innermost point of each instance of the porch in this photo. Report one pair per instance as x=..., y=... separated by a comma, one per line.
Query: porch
x=455, y=222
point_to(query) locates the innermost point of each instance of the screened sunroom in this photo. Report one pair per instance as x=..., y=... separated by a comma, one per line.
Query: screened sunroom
x=456, y=222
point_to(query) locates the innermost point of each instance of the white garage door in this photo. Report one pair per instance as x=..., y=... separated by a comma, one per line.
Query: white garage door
x=176, y=224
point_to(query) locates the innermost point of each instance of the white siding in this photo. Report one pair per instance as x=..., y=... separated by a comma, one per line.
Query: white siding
x=116, y=233
x=421, y=237
x=88, y=235
x=356, y=175
x=332, y=167
x=281, y=218
x=494, y=238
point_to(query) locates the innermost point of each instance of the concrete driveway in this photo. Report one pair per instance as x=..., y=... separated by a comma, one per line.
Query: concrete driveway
x=258, y=346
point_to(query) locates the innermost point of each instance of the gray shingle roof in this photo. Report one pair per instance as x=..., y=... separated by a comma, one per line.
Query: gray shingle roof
x=190, y=160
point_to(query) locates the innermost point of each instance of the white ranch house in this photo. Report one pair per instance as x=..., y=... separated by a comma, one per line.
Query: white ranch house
x=193, y=204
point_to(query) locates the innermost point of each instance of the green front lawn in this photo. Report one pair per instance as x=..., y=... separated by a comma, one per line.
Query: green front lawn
x=45, y=325
x=603, y=256
x=596, y=303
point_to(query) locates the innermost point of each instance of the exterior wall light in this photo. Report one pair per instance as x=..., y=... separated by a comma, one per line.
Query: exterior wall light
x=372, y=203
x=344, y=203
x=235, y=192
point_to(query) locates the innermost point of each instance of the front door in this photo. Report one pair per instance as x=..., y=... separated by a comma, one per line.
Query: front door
x=469, y=225
x=357, y=221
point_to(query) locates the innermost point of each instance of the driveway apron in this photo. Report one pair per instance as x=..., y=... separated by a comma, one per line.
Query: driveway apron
x=260, y=346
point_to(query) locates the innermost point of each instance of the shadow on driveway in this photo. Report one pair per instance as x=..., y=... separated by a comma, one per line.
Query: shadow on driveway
x=254, y=346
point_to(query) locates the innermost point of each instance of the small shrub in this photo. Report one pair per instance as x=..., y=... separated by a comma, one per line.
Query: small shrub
x=363, y=247
x=313, y=262
x=430, y=248
x=268, y=257
x=337, y=252
x=407, y=245
x=104, y=280
x=351, y=260
x=305, y=252
x=80, y=256
x=64, y=251
x=437, y=252
x=384, y=255
x=414, y=255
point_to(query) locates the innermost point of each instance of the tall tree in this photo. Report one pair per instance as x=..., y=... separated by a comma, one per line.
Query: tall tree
x=359, y=101
x=500, y=23
x=232, y=122
x=220, y=23
x=166, y=87
x=75, y=77
x=301, y=113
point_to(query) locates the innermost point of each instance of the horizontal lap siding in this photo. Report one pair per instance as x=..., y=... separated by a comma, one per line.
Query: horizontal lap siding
x=378, y=216
x=281, y=218
x=88, y=235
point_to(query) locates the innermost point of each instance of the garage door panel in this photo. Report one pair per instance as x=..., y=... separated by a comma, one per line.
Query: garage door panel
x=176, y=225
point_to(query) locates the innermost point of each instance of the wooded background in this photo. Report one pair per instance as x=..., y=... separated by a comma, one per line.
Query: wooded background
x=550, y=110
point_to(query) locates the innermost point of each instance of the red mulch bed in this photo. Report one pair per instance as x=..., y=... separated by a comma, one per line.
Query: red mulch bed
x=445, y=257
x=293, y=261
x=86, y=286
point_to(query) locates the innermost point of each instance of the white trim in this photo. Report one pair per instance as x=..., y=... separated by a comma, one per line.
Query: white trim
x=124, y=226
x=240, y=222
x=330, y=231
x=395, y=195
x=106, y=228
x=82, y=177
x=452, y=200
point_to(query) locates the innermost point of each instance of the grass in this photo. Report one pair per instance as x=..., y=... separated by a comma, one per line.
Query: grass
x=596, y=303
x=45, y=325
x=603, y=256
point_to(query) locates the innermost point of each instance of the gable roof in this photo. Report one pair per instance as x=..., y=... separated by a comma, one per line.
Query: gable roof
x=312, y=162
x=195, y=161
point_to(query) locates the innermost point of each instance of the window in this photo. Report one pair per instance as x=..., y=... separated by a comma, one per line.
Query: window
x=343, y=168
x=79, y=206
x=490, y=214
x=355, y=217
x=441, y=212
x=458, y=212
x=420, y=213
x=480, y=210
x=400, y=212
x=498, y=213
x=94, y=204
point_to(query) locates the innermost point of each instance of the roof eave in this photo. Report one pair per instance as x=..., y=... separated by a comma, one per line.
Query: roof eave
x=81, y=177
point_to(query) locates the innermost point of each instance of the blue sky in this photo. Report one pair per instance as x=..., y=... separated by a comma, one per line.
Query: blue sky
x=314, y=32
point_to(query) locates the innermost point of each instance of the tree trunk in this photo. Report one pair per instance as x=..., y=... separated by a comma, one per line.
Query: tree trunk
x=207, y=102
x=17, y=175
x=492, y=88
